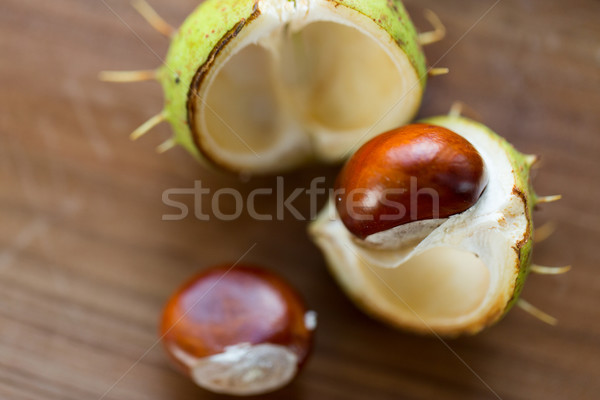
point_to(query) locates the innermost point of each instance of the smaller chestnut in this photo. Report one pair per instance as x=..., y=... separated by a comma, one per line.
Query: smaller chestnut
x=413, y=173
x=238, y=330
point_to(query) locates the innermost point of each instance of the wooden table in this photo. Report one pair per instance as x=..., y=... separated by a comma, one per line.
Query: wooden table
x=86, y=262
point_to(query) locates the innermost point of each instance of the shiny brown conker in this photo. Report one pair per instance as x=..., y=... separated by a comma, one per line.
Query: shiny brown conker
x=247, y=313
x=409, y=174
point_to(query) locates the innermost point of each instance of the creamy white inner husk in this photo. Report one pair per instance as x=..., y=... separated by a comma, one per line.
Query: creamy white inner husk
x=245, y=369
x=442, y=275
x=304, y=79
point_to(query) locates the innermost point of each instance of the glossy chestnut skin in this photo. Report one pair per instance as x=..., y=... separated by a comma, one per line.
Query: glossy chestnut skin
x=227, y=306
x=389, y=181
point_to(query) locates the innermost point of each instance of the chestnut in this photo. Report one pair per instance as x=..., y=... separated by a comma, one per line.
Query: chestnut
x=238, y=330
x=413, y=173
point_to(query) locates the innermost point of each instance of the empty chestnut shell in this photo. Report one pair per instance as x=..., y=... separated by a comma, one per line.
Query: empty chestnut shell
x=408, y=174
x=237, y=330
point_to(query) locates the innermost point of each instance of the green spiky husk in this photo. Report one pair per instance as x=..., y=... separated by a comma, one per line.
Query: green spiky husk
x=206, y=27
x=191, y=46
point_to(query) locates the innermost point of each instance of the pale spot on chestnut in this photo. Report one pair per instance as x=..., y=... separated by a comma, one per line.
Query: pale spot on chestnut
x=409, y=174
x=237, y=330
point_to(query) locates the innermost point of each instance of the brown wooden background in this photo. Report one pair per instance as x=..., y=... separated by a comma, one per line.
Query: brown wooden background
x=86, y=262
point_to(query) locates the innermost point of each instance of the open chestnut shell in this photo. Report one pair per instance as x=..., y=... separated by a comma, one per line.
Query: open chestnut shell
x=409, y=174
x=238, y=330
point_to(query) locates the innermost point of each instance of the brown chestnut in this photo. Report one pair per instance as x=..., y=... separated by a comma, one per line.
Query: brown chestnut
x=239, y=330
x=413, y=173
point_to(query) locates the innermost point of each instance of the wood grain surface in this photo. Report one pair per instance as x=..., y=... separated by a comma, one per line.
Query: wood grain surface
x=86, y=262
